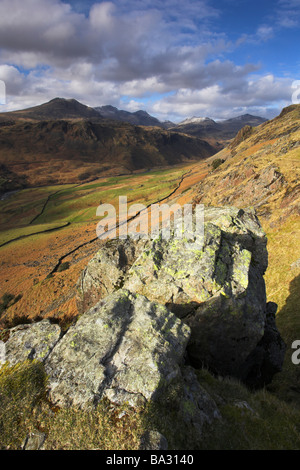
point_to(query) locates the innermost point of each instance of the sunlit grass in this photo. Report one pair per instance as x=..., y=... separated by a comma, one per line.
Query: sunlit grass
x=78, y=203
x=246, y=421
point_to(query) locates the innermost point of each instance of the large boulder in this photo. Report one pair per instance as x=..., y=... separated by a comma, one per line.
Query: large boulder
x=126, y=349
x=218, y=289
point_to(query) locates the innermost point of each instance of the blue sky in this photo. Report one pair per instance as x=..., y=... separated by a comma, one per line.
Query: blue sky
x=216, y=58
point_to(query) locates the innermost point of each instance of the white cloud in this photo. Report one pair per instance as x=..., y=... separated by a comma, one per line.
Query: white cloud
x=265, y=32
x=129, y=48
x=101, y=15
x=40, y=31
x=143, y=87
x=254, y=96
x=14, y=80
x=133, y=106
x=287, y=14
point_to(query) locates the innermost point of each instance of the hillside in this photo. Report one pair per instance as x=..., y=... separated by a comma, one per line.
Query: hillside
x=64, y=141
x=261, y=169
x=126, y=374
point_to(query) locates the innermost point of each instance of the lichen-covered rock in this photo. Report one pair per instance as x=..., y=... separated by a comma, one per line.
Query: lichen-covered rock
x=153, y=440
x=31, y=341
x=105, y=272
x=197, y=407
x=126, y=349
x=218, y=290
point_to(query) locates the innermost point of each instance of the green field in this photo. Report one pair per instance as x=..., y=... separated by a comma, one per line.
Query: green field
x=35, y=210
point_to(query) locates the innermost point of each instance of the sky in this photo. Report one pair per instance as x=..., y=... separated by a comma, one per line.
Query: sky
x=173, y=58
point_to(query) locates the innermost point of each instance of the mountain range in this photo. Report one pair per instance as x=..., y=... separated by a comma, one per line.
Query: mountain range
x=64, y=141
x=217, y=133
x=203, y=127
x=138, y=118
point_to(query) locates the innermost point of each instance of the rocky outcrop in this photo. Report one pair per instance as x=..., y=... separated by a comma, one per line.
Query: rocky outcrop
x=243, y=185
x=153, y=311
x=126, y=349
x=218, y=290
x=242, y=135
x=34, y=441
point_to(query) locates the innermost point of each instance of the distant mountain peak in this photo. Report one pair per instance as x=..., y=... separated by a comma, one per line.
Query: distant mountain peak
x=194, y=120
x=137, y=118
x=141, y=112
x=58, y=98
x=219, y=132
x=108, y=107
x=64, y=101
x=247, y=118
x=57, y=108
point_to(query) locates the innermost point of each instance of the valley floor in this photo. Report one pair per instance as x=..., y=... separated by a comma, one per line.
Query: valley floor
x=46, y=230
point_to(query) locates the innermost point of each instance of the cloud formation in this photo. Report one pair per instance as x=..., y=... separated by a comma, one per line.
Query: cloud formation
x=118, y=52
x=252, y=97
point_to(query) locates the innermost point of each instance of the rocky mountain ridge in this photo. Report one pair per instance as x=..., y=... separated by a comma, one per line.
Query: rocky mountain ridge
x=101, y=141
x=61, y=108
x=203, y=127
x=194, y=120
x=221, y=131
x=256, y=170
x=36, y=149
x=138, y=118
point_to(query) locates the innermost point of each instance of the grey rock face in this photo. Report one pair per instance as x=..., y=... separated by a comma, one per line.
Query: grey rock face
x=126, y=349
x=197, y=407
x=153, y=440
x=105, y=272
x=218, y=290
x=266, y=359
x=32, y=341
x=34, y=441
